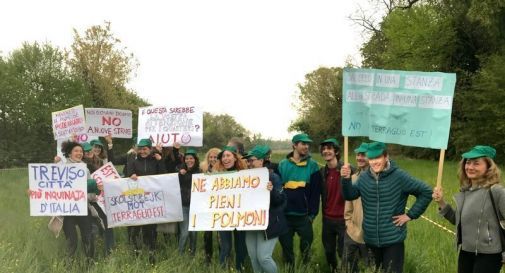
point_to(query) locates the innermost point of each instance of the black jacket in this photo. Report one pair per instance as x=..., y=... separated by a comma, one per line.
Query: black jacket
x=277, y=224
x=145, y=166
x=185, y=181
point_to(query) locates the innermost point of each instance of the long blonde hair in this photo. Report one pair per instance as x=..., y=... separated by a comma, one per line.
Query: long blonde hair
x=491, y=177
x=239, y=164
x=205, y=164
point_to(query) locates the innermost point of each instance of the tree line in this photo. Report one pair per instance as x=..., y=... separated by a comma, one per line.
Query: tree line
x=453, y=36
x=37, y=79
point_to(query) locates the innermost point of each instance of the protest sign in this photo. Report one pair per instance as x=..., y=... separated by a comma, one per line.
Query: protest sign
x=58, y=189
x=102, y=122
x=107, y=171
x=404, y=107
x=227, y=201
x=150, y=199
x=67, y=122
x=166, y=125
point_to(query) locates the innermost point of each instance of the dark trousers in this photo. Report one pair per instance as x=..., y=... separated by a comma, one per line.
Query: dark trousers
x=207, y=242
x=225, y=242
x=108, y=233
x=468, y=262
x=303, y=227
x=69, y=228
x=146, y=232
x=333, y=240
x=389, y=258
x=353, y=252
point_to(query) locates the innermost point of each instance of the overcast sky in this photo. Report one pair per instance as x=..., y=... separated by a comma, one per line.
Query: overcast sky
x=243, y=58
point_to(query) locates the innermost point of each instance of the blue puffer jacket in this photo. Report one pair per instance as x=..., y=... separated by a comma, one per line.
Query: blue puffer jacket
x=277, y=224
x=384, y=196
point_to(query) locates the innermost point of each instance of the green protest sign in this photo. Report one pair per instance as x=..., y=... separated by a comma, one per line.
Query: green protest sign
x=404, y=107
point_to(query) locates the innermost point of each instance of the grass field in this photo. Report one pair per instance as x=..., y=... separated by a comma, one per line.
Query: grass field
x=26, y=245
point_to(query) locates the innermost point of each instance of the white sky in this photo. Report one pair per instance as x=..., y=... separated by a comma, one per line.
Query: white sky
x=243, y=58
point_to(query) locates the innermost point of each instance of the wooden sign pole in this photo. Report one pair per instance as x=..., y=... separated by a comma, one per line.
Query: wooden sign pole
x=440, y=168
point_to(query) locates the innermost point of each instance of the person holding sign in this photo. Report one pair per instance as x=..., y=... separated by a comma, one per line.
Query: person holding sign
x=228, y=161
x=480, y=200
x=206, y=167
x=354, y=246
x=146, y=163
x=261, y=243
x=302, y=184
x=190, y=167
x=74, y=153
x=332, y=203
x=384, y=189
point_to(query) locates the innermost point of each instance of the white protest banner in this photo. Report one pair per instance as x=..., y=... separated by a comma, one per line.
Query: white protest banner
x=67, y=122
x=58, y=189
x=107, y=171
x=102, y=122
x=80, y=139
x=166, y=125
x=150, y=199
x=227, y=201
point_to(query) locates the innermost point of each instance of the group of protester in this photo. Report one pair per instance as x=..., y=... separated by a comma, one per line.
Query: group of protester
x=363, y=207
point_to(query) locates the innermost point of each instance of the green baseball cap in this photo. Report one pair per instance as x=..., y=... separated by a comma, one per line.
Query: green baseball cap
x=259, y=151
x=363, y=148
x=145, y=142
x=480, y=151
x=330, y=140
x=190, y=151
x=86, y=146
x=301, y=137
x=96, y=142
x=375, y=149
x=232, y=149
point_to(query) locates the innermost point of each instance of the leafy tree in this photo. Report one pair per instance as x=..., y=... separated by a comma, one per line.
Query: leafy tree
x=35, y=81
x=218, y=129
x=320, y=107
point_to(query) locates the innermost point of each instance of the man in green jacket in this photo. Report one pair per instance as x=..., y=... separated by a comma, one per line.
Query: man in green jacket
x=302, y=185
x=384, y=190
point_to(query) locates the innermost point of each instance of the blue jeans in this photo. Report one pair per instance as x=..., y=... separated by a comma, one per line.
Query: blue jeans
x=184, y=233
x=225, y=240
x=260, y=251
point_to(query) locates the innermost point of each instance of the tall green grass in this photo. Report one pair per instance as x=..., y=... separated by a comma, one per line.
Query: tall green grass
x=26, y=245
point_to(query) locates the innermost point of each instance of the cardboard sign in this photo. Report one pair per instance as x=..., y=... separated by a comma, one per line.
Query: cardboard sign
x=67, y=122
x=228, y=201
x=58, y=189
x=106, y=172
x=166, y=125
x=150, y=199
x=102, y=122
x=404, y=107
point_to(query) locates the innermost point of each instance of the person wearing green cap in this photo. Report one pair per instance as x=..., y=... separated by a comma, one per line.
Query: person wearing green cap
x=228, y=161
x=261, y=243
x=146, y=163
x=302, y=184
x=354, y=245
x=98, y=150
x=94, y=163
x=384, y=189
x=190, y=166
x=332, y=203
x=480, y=200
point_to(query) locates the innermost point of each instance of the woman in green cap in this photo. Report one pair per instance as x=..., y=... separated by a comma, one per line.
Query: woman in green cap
x=478, y=203
x=190, y=166
x=228, y=161
x=98, y=150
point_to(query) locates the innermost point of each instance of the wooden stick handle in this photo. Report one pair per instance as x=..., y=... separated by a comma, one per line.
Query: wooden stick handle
x=440, y=168
x=346, y=150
